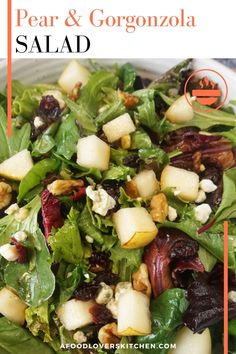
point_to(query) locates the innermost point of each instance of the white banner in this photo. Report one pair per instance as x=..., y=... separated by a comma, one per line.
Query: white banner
x=111, y=28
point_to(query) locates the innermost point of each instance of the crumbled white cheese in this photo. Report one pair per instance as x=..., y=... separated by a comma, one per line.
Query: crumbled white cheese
x=9, y=252
x=20, y=236
x=38, y=122
x=105, y=294
x=57, y=95
x=21, y=214
x=102, y=201
x=207, y=185
x=113, y=307
x=202, y=212
x=201, y=196
x=89, y=239
x=13, y=208
x=79, y=337
x=232, y=295
x=172, y=213
x=121, y=288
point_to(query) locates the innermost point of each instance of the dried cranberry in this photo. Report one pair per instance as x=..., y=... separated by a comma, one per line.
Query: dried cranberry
x=49, y=111
x=132, y=161
x=87, y=292
x=21, y=250
x=106, y=277
x=79, y=195
x=99, y=261
x=112, y=187
x=141, y=83
x=101, y=315
x=49, y=107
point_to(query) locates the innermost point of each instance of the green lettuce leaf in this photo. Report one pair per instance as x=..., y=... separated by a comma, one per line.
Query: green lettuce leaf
x=227, y=208
x=45, y=142
x=118, y=173
x=125, y=261
x=9, y=225
x=203, y=119
x=66, y=242
x=166, y=313
x=140, y=140
x=37, y=320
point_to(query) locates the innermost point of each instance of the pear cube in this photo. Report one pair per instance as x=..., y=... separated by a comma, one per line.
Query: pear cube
x=93, y=152
x=186, y=183
x=135, y=227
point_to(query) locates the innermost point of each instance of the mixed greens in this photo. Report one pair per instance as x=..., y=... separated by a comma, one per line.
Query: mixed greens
x=113, y=193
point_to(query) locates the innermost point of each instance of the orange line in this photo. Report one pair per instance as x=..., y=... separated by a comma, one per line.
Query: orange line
x=9, y=66
x=226, y=287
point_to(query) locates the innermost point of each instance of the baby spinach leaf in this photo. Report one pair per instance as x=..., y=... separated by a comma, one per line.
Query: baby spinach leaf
x=34, y=282
x=127, y=75
x=37, y=173
x=86, y=225
x=82, y=114
x=67, y=137
x=227, y=208
x=146, y=114
x=230, y=135
x=207, y=259
x=66, y=242
x=43, y=145
x=17, y=340
x=112, y=111
x=166, y=314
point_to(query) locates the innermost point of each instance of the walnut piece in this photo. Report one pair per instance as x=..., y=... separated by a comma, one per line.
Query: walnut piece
x=5, y=194
x=64, y=186
x=141, y=280
x=125, y=142
x=129, y=100
x=159, y=208
x=108, y=334
x=131, y=189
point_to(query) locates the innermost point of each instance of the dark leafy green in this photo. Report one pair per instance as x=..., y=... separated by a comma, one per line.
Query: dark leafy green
x=166, y=313
x=155, y=154
x=18, y=340
x=141, y=140
x=127, y=75
x=36, y=175
x=20, y=139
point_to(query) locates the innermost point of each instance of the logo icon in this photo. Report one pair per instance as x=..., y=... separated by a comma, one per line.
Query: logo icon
x=209, y=89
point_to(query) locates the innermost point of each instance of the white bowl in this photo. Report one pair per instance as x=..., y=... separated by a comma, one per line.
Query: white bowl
x=48, y=70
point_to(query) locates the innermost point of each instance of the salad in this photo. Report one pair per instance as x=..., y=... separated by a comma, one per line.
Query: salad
x=113, y=193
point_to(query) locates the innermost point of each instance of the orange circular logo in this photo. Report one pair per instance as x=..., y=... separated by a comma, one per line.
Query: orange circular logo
x=210, y=88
